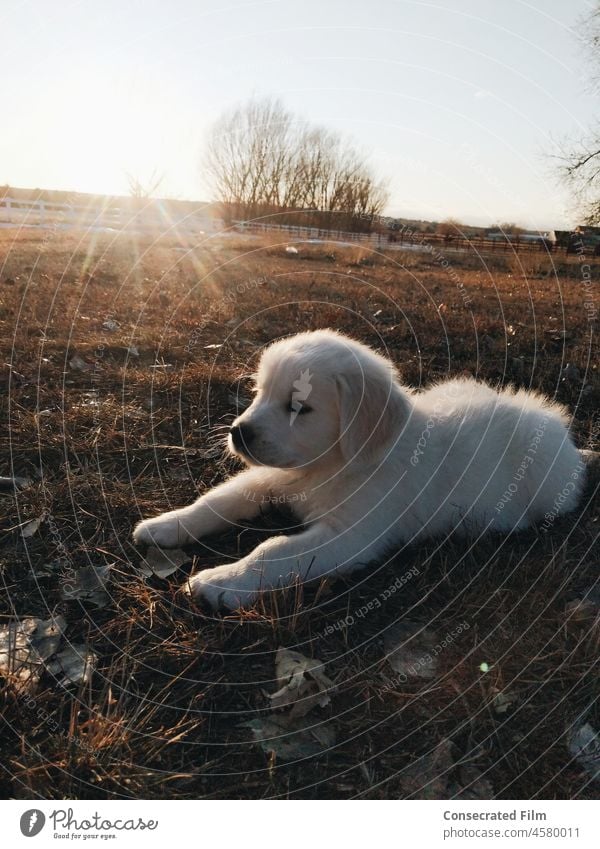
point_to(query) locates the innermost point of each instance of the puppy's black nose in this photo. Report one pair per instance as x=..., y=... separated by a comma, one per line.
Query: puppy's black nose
x=241, y=436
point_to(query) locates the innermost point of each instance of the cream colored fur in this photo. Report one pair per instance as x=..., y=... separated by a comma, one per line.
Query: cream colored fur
x=367, y=464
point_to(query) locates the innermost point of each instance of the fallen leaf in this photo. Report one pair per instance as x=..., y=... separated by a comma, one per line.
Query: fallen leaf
x=50, y=568
x=32, y=527
x=77, y=363
x=410, y=650
x=502, y=702
x=584, y=612
x=47, y=635
x=25, y=645
x=75, y=663
x=19, y=661
x=275, y=735
x=302, y=683
x=427, y=777
x=88, y=584
x=162, y=562
x=435, y=775
x=584, y=746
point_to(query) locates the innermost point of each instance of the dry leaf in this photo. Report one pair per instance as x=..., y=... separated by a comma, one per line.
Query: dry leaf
x=410, y=650
x=88, y=584
x=19, y=661
x=435, y=776
x=53, y=566
x=503, y=701
x=302, y=683
x=584, y=746
x=32, y=527
x=47, y=635
x=427, y=777
x=276, y=735
x=77, y=363
x=75, y=663
x=584, y=612
x=25, y=645
x=161, y=562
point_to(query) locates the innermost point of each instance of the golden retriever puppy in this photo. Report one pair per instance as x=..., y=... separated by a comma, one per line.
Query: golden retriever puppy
x=367, y=464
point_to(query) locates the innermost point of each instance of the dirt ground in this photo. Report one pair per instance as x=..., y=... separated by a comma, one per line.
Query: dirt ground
x=124, y=359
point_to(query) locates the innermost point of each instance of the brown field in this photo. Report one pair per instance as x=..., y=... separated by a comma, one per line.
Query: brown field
x=121, y=437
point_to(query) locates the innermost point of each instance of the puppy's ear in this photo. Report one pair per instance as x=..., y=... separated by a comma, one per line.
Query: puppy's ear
x=373, y=410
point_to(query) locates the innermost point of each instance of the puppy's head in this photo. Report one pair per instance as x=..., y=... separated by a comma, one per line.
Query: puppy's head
x=321, y=399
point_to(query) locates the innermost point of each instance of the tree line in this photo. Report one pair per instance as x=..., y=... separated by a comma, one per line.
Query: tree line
x=265, y=163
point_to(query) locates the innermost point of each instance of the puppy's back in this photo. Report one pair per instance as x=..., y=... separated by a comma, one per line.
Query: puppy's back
x=512, y=449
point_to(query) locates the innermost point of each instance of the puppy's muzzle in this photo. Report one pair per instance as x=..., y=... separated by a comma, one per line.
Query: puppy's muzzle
x=242, y=437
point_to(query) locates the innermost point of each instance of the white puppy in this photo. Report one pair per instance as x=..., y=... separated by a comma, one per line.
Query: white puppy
x=367, y=464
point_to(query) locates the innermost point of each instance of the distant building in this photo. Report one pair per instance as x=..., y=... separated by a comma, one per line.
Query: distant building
x=582, y=239
x=547, y=237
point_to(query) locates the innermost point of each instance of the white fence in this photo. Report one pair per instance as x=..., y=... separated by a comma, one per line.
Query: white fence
x=155, y=216
x=407, y=239
x=309, y=234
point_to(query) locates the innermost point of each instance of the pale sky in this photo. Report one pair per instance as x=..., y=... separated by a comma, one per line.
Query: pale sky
x=456, y=103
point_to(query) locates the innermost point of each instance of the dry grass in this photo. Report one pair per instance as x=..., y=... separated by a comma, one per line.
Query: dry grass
x=164, y=714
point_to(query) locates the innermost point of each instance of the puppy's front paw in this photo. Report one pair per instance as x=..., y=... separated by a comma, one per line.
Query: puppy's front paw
x=223, y=586
x=170, y=530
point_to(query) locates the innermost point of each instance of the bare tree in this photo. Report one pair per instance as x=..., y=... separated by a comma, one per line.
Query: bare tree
x=509, y=228
x=247, y=156
x=450, y=228
x=261, y=160
x=141, y=190
x=579, y=159
x=580, y=168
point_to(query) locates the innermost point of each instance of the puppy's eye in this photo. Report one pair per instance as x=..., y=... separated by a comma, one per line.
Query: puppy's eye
x=299, y=407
